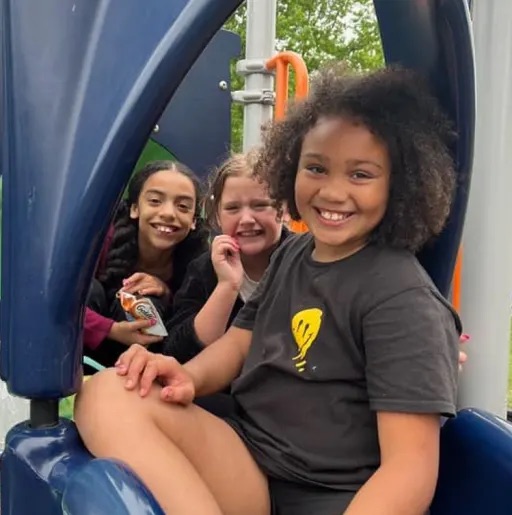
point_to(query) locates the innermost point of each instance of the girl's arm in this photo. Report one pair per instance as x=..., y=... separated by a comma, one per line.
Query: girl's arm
x=404, y=483
x=411, y=349
x=212, y=320
x=96, y=328
x=201, y=312
x=229, y=351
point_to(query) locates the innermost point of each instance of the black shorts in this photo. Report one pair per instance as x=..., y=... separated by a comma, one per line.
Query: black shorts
x=298, y=499
x=289, y=497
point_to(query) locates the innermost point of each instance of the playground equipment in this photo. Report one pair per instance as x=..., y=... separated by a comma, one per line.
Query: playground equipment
x=75, y=119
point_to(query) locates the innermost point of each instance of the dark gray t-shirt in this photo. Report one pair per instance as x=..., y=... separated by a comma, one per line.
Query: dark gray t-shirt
x=332, y=344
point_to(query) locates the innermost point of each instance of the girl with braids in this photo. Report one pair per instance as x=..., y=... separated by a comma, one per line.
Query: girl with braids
x=344, y=359
x=156, y=232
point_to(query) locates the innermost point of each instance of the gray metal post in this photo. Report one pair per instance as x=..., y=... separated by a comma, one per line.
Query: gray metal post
x=259, y=84
x=487, y=240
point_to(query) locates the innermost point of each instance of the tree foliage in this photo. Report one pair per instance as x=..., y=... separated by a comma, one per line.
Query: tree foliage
x=321, y=31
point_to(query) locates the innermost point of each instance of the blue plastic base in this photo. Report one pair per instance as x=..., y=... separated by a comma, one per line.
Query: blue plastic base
x=48, y=471
x=475, y=474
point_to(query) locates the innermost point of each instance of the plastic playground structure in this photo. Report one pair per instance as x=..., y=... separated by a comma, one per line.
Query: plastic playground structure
x=85, y=84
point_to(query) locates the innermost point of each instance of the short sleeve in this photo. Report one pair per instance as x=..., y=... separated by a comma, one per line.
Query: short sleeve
x=411, y=345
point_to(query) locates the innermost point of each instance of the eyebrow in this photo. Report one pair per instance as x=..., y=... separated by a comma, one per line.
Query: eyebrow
x=353, y=162
x=251, y=201
x=162, y=194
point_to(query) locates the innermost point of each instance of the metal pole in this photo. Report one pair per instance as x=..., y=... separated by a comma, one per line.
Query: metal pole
x=259, y=84
x=487, y=267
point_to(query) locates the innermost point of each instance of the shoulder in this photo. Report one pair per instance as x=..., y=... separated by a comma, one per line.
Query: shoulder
x=396, y=279
x=390, y=271
x=292, y=245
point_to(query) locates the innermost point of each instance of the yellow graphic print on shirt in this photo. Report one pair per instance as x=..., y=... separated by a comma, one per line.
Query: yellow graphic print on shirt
x=305, y=327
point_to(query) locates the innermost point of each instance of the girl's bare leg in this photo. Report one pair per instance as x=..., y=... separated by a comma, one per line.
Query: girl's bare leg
x=192, y=461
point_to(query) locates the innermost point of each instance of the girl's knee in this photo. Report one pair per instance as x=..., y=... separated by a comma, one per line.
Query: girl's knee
x=105, y=396
x=98, y=394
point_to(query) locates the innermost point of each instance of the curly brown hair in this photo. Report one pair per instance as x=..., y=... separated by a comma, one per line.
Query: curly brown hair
x=397, y=107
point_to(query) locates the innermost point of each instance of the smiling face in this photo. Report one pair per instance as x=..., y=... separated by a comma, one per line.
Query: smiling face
x=342, y=186
x=247, y=213
x=165, y=211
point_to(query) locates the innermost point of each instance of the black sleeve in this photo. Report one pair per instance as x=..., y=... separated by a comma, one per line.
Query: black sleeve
x=182, y=342
x=411, y=342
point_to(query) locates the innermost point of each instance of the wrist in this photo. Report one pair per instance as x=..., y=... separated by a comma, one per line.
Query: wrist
x=228, y=287
x=194, y=375
x=113, y=330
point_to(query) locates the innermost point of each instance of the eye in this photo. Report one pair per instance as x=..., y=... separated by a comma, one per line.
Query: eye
x=261, y=206
x=360, y=175
x=230, y=208
x=315, y=169
x=184, y=208
x=154, y=201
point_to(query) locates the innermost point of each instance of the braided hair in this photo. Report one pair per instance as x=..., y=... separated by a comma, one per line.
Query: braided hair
x=123, y=253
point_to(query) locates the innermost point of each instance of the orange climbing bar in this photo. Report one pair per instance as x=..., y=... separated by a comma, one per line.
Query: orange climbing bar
x=281, y=63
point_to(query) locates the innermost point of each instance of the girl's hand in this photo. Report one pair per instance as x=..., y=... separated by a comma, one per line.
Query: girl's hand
x=145, y=284
x=226, y=261
x=131, y=333
x=142, y=368
x=463, y=357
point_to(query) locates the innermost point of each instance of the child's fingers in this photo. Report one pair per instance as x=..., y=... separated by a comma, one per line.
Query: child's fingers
x=225, y=240
x=143, y=323
x=149, y=339
x=152, y=287
x=137, y=366
x=148, y=376
x=180, y=394
x=228, y=247
x=464, y=338
x=123, y=363
x=137, y=276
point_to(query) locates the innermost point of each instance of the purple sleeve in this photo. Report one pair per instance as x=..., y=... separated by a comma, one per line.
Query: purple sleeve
x=96, y=328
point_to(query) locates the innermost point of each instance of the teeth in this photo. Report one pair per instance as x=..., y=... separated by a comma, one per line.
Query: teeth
x=249, y=233
x=331, y=215
x=164, y=228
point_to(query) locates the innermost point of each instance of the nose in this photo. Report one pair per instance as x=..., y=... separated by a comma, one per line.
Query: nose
x=167, y=210
x=246, y=216
x=335, y=189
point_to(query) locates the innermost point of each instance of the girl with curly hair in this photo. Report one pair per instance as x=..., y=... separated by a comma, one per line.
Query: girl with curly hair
x=344, y=359
x=156, y=233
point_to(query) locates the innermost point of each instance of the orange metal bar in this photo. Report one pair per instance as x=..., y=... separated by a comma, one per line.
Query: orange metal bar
x=457, y=282
x=281, y=89
x=281, y=63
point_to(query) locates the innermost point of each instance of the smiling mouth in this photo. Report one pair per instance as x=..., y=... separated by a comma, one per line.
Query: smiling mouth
x=165, y=229
x=249, y=234
x=334, y=217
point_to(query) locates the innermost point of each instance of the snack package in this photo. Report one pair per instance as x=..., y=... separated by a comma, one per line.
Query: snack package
x=137, y=308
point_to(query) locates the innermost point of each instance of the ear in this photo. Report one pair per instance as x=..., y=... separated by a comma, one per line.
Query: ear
x=193, y=225
x=134, y=211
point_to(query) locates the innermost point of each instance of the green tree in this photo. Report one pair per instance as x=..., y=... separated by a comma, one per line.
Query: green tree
x=321, y=31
